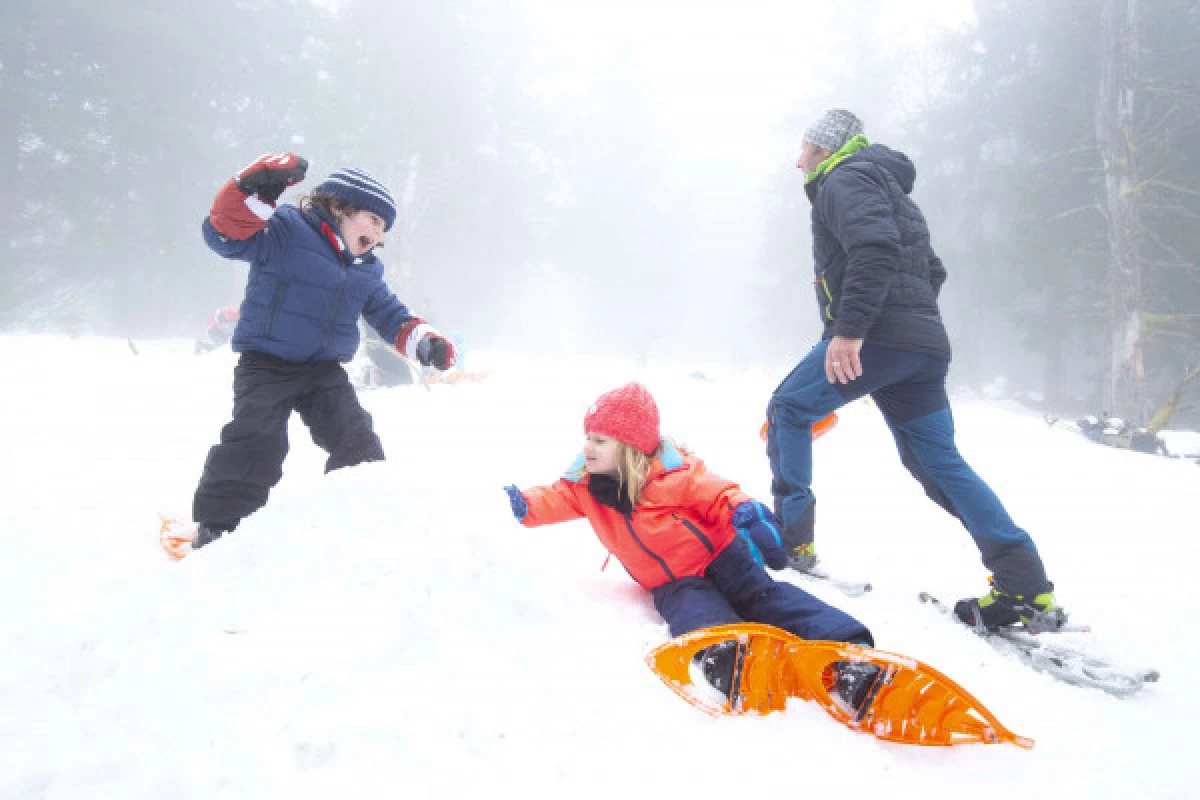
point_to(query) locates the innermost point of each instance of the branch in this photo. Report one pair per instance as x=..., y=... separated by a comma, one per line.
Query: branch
x=1172, y=186
x=1184, y=265
x=1167, y=90
x=1153, y=236
x=1072, y=211
x=1089, y=148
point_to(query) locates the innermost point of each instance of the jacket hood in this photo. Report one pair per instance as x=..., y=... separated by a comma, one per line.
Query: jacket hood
x=893, y=161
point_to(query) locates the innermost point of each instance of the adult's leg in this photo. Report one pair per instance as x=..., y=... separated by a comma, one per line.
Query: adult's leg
x=804, y=397
x=918, y=413
x=240, y=471
x=757, y=597
x=339, y=424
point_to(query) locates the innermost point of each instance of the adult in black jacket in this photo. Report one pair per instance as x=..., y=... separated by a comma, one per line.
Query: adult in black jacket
x=877, y=281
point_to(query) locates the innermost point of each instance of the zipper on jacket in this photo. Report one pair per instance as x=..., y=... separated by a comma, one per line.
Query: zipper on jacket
x=699, y=534
x=275, y=305
x=828, y=296
x=649, y=552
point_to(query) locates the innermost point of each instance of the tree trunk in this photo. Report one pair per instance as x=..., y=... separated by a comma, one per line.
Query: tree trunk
x=1163, y=416
x=1114, y=135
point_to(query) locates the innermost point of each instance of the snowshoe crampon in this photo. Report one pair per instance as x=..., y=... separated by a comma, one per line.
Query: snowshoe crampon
x=176, y=539
x=907, y=702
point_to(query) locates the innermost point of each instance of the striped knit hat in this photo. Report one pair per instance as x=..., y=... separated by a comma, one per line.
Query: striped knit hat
x=356, y=188
x=628, y=414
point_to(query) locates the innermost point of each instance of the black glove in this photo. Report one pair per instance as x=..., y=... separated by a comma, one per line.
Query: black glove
x=435, y=351
x=271, y=174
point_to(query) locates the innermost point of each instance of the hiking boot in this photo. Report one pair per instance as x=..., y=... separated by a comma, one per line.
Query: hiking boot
x=999, y=609
x=206, y=534
x=717, y=663
x=803, y=558
x=854, y=683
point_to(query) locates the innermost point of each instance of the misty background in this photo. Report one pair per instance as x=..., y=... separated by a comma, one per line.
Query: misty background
x=619, y=176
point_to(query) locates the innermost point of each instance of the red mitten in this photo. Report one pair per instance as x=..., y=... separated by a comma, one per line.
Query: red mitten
x=418, y=341
x=245, y=203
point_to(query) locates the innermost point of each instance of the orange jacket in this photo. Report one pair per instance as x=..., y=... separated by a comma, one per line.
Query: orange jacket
x=681, y=524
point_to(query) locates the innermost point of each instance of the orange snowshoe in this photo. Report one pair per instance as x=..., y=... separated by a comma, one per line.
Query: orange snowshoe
x=175, y=539
x=819, y=428
x=892, y=697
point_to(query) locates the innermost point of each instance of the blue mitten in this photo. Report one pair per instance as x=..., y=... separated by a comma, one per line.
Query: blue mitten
x=517, y=500
x=756, y=524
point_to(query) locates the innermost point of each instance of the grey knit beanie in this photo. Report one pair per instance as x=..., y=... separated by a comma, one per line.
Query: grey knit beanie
x=834, y=129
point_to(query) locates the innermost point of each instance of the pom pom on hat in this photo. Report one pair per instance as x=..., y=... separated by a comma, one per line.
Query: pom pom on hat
x=356, y=188
x=628, y=414
x=834, y=129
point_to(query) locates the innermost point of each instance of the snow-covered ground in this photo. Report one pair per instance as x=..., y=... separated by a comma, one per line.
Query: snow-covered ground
x=390, y=631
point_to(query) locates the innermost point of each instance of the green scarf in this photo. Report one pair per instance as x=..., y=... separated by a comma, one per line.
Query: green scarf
x=848, y=149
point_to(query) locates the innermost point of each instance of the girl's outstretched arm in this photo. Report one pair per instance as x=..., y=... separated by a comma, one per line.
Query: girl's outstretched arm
x=544, y=505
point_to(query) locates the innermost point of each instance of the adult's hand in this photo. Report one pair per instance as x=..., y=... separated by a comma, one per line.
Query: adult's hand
x=842, y=363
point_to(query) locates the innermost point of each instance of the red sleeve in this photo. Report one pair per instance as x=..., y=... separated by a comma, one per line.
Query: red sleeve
x=712, y=497
x=557, y=502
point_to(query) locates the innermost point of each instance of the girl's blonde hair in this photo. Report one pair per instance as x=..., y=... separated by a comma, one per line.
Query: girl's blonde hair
x=633, y=468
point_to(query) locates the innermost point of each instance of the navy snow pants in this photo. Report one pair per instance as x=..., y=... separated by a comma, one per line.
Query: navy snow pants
x=240, y=471
x=736, y=588
x=910, y=390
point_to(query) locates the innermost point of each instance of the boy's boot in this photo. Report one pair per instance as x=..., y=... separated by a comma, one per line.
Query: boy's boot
x=999, y=609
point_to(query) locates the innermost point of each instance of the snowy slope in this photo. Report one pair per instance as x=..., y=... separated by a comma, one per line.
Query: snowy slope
x=389, y=630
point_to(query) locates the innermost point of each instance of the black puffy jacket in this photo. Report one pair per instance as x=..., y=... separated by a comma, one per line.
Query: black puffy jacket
x=877, y=276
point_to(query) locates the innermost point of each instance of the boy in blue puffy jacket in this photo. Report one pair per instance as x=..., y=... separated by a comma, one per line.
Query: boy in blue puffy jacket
x=313, y=274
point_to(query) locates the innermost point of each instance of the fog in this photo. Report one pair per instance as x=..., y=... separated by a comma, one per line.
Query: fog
x=619, y=177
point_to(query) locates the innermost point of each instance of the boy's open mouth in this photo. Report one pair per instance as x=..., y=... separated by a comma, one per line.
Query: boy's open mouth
x=365, y=242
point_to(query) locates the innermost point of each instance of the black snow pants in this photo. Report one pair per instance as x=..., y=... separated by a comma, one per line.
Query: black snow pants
x=240, y=471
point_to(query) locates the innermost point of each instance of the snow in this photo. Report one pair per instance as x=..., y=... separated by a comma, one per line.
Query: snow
x=389, y=630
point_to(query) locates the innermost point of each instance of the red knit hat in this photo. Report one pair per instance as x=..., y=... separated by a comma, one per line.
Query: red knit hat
x=627, y=414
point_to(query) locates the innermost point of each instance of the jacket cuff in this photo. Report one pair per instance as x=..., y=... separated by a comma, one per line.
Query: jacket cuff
x=410, y=336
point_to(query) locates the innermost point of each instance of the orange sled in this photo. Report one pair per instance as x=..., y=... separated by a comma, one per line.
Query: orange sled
x=820, y=427
x=910, y=702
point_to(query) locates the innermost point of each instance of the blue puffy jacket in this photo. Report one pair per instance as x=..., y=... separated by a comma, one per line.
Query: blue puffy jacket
x=304, y=297
x=877, y=277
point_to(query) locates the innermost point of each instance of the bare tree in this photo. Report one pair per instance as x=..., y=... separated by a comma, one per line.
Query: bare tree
x=1115, y=136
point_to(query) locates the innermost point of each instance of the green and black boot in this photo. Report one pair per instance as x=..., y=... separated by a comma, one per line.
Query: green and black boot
x=802, y=558
x=999, y=609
